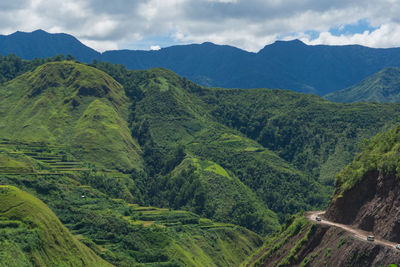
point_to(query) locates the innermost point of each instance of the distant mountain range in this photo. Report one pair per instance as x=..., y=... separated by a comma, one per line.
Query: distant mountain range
x=290, y=65
x=383, y=87
x=40, y=44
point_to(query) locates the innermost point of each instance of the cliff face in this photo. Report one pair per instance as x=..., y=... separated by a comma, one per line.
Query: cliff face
x=372, y=205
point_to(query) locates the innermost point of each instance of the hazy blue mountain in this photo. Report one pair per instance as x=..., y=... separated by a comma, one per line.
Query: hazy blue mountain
x=293, y=65
x=284, y=64
x=383, y=87
x=40, y=44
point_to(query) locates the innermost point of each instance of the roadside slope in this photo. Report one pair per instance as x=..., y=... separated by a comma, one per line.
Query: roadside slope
x=304, y=243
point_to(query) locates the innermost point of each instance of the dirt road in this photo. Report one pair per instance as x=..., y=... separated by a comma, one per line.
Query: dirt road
x=357, y=233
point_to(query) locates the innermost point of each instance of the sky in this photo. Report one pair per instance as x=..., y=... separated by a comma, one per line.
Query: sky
x=247, y=24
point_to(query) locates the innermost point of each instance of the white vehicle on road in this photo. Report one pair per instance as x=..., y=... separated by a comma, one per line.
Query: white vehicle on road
x=398, y=246
x=318, y=218
x=371, y=238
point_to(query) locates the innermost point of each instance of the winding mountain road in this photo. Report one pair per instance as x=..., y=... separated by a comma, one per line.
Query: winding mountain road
x=357, y=233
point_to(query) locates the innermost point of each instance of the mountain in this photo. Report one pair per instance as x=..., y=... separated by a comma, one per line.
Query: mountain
x=284, y=64
x=40, y=44
x=382, y=87
x=30, y=232
x=293, y=65
x=365, y=200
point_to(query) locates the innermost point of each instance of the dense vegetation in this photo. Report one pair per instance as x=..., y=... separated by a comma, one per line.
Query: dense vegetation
x=11, y=66
x=316, y=136
x=382, y=87
x=380, y=154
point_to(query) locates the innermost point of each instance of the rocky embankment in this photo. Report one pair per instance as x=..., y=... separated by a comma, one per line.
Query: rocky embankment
x=372, y=205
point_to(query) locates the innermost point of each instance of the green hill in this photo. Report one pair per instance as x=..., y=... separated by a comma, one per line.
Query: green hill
x=69, y=104
x=381, y=87
x=32, y=235
x=170, y=116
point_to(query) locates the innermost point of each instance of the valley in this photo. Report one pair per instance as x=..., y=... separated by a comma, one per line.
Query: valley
x=148, y=168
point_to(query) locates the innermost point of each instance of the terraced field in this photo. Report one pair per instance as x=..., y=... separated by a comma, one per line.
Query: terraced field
x=161, y=217
x=36, y=158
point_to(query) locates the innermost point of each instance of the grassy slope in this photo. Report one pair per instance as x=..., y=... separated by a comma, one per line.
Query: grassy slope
x=16, y=164
x=383, y=87
x=70, y=104
x=32, y=235
x=317, y=136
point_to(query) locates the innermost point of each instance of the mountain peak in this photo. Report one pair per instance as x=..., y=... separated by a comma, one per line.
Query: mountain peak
x=283, y=45
x=289, y=42
x=40, y=31
x=208, y=43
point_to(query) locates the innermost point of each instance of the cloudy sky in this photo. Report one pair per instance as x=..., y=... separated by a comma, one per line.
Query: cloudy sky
x=248, y=24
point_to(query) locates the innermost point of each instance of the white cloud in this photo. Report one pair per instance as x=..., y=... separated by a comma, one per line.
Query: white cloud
x=155, y=47
x=100, y=46
x=248, y=24
x=223, y=1
x=387, y=35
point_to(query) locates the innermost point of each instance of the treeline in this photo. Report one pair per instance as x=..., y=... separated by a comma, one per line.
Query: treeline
x=11, y=66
